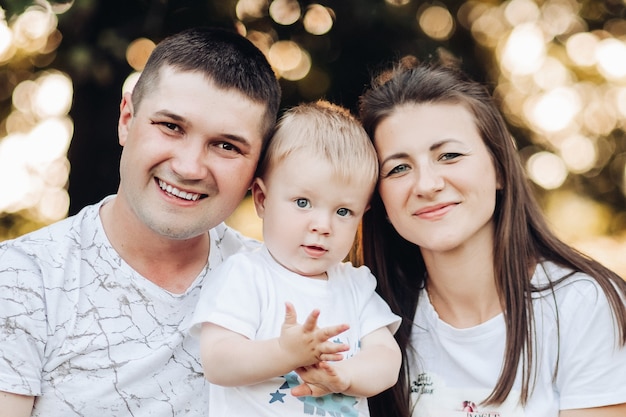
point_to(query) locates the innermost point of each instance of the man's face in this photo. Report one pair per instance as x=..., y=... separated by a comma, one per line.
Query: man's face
x=190, y=152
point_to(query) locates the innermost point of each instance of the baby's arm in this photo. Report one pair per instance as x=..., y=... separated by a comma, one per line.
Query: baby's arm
x=372, y=370
x=231, y=359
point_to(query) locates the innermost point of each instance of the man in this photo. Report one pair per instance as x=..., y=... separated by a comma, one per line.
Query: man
x=94, y=309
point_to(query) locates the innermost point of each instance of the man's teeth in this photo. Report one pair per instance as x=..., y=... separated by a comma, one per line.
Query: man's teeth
x=175, y=191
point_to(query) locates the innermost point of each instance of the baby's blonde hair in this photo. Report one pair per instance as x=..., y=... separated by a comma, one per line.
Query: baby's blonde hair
x=323, y=130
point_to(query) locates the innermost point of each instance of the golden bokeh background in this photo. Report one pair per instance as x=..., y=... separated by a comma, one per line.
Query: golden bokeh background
x=556, y=67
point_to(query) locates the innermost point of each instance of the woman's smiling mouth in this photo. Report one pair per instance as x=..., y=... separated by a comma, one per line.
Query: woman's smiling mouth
x=435, y=212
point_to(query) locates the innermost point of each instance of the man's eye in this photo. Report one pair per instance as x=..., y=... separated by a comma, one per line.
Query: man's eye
x=230, y=147
x=343, y=212
x=303, y=203
x=168, y=125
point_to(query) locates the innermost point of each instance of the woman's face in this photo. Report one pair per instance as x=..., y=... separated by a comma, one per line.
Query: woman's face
x=438, y=181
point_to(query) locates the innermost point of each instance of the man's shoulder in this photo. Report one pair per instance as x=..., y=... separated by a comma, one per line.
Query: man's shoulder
x=226, y=241
x=63, y=233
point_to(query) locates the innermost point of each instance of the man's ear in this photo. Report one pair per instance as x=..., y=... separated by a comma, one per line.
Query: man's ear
x=258, y=196
x=126, y=117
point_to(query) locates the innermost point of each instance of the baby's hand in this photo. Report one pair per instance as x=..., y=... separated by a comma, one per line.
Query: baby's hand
x=320, y=379
x=306, y=344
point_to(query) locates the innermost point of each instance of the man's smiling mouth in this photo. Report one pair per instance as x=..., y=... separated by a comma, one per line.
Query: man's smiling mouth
x=178, y=193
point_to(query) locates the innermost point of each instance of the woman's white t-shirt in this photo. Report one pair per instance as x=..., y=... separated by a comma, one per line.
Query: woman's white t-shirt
x=454, y=370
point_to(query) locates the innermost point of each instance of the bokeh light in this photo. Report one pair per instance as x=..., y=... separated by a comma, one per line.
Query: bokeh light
x=289, y=60
x=398, y=2
x=579, y=153
x=611, y=58
x=250, y=9
x=524, y=51
x=557, y=67
x=138, y=52
x=318, y=19
x=6, y=42
x=547, y=170
x=553, y=110
x=37, y=131
x=436, y=22
x=53, y=95
x=581, y=49
x=285, y=12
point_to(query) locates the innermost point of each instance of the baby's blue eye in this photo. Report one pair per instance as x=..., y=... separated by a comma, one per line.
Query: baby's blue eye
x=302, y=202
x=343, y=212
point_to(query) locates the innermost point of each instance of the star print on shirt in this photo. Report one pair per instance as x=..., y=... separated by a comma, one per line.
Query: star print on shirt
x=277, y=396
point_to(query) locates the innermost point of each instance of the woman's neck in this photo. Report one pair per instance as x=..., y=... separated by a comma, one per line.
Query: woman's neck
x=461, y=287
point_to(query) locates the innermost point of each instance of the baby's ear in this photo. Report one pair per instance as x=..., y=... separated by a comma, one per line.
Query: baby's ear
x=258, y=196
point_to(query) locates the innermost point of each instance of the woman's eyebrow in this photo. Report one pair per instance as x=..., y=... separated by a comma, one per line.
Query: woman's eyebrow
x=398, y=155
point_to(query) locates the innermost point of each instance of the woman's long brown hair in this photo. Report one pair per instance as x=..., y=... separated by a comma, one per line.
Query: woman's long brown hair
x=522, y=236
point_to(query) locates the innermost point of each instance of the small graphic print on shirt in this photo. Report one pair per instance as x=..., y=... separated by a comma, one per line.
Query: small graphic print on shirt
x=433, y=398
x=338, y=405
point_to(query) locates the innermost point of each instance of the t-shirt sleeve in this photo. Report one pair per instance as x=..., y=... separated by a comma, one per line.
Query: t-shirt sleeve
x=229, y=298
x=23, y=323
x=375, y=312
x=592, y=365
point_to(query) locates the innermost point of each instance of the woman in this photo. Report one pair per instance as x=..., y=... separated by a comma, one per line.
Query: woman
x=500, y=317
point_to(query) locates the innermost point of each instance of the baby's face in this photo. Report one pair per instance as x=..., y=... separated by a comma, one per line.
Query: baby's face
x=310, y=216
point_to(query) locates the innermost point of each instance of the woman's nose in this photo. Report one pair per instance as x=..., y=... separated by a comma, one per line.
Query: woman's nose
x=428, y=181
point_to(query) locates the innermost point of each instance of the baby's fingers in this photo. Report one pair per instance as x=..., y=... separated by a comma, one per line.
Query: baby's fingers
x=331, y=351
x=331, y=357
x=311, y=321
x=302, y=390
x=291, y=318
x=329, y=332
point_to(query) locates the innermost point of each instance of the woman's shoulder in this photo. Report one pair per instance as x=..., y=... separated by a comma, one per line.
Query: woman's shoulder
x=550, y=276
x=566, y=288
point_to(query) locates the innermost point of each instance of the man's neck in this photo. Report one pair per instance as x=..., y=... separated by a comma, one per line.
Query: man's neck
x=172, y=264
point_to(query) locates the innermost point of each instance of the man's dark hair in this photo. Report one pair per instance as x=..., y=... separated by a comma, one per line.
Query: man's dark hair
x=226, y=58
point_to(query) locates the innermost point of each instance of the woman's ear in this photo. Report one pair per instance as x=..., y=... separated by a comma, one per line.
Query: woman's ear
x=258, y=196
x=499, y=186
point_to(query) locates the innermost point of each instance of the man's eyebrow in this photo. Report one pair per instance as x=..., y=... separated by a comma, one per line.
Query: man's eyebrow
x=235, y=138
x=167, y=113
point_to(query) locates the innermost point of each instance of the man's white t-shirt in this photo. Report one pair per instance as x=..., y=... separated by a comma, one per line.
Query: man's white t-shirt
x=454, y=370
x=89, y=336
x=247, y=295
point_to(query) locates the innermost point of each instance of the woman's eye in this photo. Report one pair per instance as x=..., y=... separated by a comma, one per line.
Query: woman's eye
x=303, y=203
x=343, y=212
x=398, y=169
x=448, y=156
